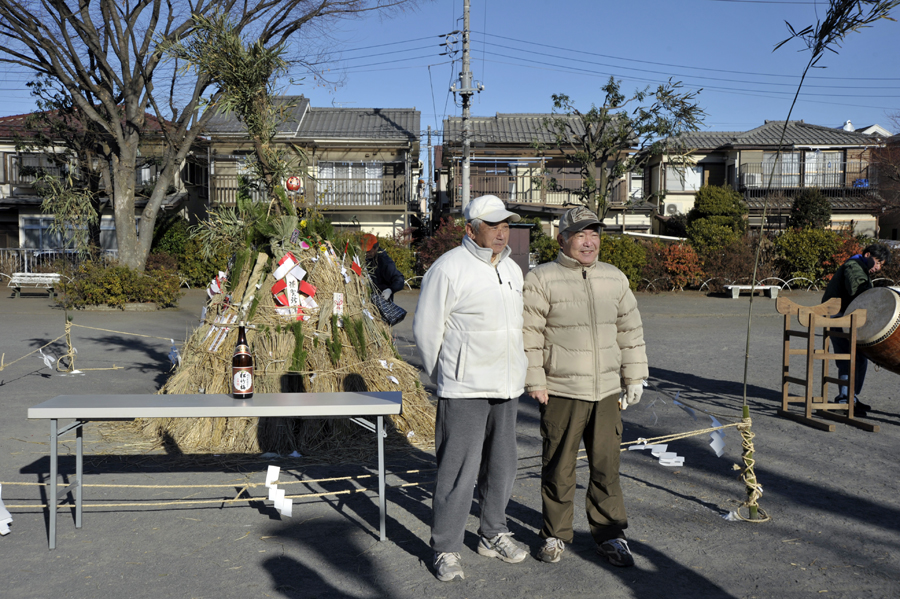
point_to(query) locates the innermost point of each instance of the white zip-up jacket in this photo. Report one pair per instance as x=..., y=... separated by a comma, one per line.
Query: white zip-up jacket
x=468, y=324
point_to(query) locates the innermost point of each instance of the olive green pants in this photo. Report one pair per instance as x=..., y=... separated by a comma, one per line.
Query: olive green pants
x=564, y=423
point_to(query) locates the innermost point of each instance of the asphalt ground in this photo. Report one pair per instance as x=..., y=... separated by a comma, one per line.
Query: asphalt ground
x=832, y=497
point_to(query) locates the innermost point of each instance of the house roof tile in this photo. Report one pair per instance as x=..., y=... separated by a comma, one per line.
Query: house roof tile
x=228, y=124
x=504, y=128
x=361, y=123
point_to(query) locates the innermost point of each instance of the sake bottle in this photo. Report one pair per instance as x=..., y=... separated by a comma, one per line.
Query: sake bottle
x=242, y=367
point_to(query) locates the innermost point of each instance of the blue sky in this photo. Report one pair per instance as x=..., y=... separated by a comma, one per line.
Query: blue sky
x=525, y=50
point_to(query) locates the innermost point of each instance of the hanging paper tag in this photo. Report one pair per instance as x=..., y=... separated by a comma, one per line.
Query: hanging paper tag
x=281, y=299
x=272, y=475
x=292, y=292
x=355, y=266
x=338, y=307
x=279, y=287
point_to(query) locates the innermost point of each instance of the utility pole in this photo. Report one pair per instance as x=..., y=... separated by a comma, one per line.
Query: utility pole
x=428, y=194
x=466, y=90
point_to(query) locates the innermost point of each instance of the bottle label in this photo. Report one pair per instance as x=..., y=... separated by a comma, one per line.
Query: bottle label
x=241, y=349
x=242, y=381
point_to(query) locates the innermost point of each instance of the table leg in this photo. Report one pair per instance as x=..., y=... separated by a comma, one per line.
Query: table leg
x=79, y=473
x=51, y=496
x=381, y=500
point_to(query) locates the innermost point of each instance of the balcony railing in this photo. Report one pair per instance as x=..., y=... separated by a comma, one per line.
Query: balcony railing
x=360, y=192
x=802, y=174
x=26, y=175
x=329, y=192
x=538, y=189
x=224, y=190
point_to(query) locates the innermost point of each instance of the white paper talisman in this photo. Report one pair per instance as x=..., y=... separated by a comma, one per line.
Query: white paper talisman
x=292, y=292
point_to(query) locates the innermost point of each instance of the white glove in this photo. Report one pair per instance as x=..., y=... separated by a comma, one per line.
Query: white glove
x=387, y=293
x=632, y=395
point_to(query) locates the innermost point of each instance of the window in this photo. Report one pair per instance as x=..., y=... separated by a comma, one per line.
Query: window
x=37, y=235
x=689, y=178
x=784, y=173
x=823, y=169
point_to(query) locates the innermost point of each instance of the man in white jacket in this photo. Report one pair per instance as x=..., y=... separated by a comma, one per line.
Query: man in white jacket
x=468, y=331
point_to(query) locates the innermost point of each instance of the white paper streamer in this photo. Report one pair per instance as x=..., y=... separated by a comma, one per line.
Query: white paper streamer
x=272, y=475
x=5, y=517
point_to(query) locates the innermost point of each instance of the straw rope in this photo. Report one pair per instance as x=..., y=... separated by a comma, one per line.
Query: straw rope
x=68, y=324
x=744, y=427
x=754, y=489
x=3, y=365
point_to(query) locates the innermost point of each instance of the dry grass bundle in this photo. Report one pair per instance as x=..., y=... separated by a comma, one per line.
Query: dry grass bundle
x=357, y=355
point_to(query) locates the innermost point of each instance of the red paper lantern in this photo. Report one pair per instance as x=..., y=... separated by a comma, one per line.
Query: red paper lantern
x=293, y=183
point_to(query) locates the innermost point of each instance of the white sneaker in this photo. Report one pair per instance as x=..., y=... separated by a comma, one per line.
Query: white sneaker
x=552, y=550
x=502, y=547
x=447, y=566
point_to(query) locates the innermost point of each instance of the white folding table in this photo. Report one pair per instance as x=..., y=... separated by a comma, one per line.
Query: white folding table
x=86, y=408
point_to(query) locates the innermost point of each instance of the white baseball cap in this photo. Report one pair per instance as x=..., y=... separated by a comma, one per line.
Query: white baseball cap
x=490, y=209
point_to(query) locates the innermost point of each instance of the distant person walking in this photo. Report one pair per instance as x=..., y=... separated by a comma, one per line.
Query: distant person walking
x=468, y=331
x=382, y=268
x=584, y=341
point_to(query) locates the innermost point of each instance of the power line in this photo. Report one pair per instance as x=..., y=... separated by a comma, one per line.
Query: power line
x=663, y=64
x=667, y=73
x=754, y=93
x=786, y=93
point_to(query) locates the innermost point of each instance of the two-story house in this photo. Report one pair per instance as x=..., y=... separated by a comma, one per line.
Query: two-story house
x=836, y=161
x=25, y=235
x=513, y=157
x=359, y=166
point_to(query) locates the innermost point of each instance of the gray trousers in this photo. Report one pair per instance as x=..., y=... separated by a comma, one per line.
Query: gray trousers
x=564, y=423
x=475, y=441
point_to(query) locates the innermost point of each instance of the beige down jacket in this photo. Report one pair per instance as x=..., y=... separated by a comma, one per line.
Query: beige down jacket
x=583, y=333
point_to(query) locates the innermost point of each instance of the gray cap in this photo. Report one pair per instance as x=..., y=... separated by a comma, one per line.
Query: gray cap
x=577, y=219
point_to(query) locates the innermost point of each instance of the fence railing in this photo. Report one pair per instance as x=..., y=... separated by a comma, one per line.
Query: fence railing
x=794, y=174
x=329, y=192
x=41, y=260
x=361, y=192
x=533, y=189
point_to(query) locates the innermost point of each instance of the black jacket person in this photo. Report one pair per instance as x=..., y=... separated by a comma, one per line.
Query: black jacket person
x=381, y=267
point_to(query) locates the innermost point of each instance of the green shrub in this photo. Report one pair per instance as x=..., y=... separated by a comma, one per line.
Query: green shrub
x=807, y=253
x=708, y=237
x=717, y=218
x=173, y=237
x=197, y=270
x=546, y=249
x=542, y=245
x=810, y=209
x=626, y=254
x=99, y=284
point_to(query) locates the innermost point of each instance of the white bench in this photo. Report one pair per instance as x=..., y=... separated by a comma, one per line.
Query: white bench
x=771, y=290
x=87, y=408
x=40, y=280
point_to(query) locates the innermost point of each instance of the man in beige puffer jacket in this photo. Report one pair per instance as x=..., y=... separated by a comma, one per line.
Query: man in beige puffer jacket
x=583, y=340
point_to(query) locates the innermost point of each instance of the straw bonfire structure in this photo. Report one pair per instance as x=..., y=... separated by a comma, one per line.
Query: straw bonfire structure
x=309, y=349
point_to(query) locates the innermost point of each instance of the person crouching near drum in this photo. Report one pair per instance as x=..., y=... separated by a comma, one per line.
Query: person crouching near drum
x=850, y=280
